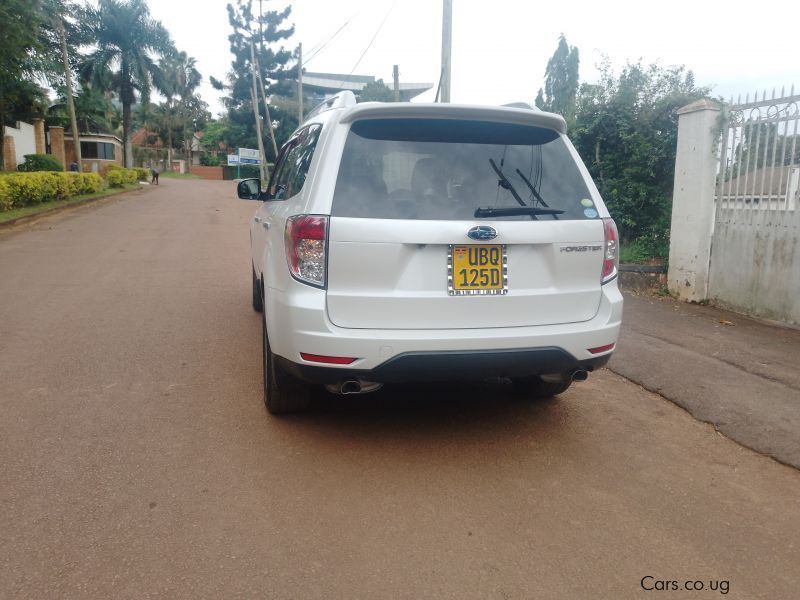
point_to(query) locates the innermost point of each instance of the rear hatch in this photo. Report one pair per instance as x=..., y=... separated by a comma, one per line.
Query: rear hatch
x=450, y=224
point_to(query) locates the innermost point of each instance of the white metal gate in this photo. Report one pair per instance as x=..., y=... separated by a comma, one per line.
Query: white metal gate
x=755, y=248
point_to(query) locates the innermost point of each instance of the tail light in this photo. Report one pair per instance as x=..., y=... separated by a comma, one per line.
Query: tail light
x=610, y=250
x=306, y=248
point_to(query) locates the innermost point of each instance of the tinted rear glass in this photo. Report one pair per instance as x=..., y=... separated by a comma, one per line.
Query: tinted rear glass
x=442, y=170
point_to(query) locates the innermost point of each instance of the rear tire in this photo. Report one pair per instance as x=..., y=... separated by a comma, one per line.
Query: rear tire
x=282, y=393
x=258, y=299
x=535, y=387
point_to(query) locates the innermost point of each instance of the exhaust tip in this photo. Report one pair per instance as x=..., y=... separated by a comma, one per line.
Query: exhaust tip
x=580, y=375
x=350, y=387
x=353, y=386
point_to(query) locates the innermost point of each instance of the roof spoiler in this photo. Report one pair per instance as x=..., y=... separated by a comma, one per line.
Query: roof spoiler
x=344, y=99
x=418, y=110
x=523, y=105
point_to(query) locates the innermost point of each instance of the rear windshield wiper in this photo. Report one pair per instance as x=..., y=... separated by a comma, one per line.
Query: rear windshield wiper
x=505, y=183
x=535, y=193
x=514, y=211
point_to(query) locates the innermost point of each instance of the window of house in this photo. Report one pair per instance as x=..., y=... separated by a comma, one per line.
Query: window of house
x=100, y=150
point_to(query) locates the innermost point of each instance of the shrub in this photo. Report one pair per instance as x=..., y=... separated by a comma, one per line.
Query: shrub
x=74, y=183
x=244, y=171
x=40, y=162
x=118, y=177
x=63, y=185
x=209, y=160
x=142, y=174
x=25, y=189
x=115, y=178
x=92, y=182
x=5, y=195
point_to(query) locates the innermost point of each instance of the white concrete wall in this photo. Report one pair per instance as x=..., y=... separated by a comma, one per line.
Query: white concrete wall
x=745, y=258
x=24, y=140
x=755, y=262
x=693, y=201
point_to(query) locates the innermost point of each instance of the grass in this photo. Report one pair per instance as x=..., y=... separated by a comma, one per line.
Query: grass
x=173, y=175
x=27, y=211
x=643, y=251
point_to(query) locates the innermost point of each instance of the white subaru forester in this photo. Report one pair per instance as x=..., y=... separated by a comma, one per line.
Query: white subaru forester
x=413, y=242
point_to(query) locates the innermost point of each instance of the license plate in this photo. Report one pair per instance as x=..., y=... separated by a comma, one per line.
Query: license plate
x=477, y=270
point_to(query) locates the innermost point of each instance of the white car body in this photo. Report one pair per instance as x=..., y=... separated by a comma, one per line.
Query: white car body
x=384, y=299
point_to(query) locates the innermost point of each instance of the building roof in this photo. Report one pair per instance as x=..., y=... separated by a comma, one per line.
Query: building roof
x=68, y=135
x=330, y=83
x=769, y=181
x=143, y=138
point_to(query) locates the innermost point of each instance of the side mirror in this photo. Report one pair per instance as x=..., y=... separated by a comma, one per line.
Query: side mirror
x=249, y=189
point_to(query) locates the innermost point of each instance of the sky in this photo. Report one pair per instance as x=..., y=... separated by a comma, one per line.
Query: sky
x=501, y=47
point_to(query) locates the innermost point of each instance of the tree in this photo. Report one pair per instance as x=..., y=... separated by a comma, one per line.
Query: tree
x=561, y=82
x=127, y=43
x=376, y=91
x=61, y=33
x=626, y=131
x=94, y=112
x=21, y=21
x=263, y=30
x=178, y=79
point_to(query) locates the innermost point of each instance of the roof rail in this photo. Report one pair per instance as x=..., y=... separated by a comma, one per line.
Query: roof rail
x=344, y=99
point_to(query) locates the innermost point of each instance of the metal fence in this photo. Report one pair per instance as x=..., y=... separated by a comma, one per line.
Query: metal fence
x=760, y=153
x=755, y=246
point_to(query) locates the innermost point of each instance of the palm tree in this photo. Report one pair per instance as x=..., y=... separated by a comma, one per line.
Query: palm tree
x=177, y=80
x=127, y=41
x=93, y=110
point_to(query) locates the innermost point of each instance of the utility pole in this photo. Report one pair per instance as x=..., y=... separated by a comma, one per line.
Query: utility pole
x=254, y=96
x=447, y=36
x=266, y=110
x=300, y=83
x=396, y=76
x=76, y=140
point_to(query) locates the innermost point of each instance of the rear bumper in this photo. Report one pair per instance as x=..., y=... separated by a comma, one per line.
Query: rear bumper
x=444, y=366
x=297, y=322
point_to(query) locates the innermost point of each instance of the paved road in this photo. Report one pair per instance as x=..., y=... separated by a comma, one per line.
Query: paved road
x=739, y=374
x=137, y=460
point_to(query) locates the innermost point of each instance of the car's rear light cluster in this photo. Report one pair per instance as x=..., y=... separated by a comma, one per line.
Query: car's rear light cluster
x=610, y=250
x=306, y=248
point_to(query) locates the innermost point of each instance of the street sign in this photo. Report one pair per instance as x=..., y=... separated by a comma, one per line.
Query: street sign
x=233, y=159
x=248, y=156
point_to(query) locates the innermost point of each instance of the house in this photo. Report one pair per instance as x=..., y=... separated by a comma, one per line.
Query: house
x=98, y=150
x=768, y=188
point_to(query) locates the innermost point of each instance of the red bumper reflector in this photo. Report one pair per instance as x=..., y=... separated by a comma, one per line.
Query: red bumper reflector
x=328, y=360
x=600, y=349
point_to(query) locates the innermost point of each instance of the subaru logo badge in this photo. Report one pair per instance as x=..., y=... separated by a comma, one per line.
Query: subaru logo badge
x=482, y=233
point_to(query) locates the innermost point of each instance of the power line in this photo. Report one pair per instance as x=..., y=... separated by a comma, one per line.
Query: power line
x=320, y=47
x=377, y=31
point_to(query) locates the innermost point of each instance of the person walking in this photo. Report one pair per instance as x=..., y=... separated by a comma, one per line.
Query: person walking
x=154, y=175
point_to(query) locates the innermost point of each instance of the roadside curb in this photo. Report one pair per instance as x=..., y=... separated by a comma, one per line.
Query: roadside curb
x=730, y=371
x=67, y=207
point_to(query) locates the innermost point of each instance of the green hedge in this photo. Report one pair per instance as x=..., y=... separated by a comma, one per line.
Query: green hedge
x=40, y=162
x=117, y=176
x=245, y=171
x=25, y=189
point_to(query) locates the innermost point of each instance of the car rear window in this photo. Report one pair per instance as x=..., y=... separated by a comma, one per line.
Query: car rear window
x=442, y=170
